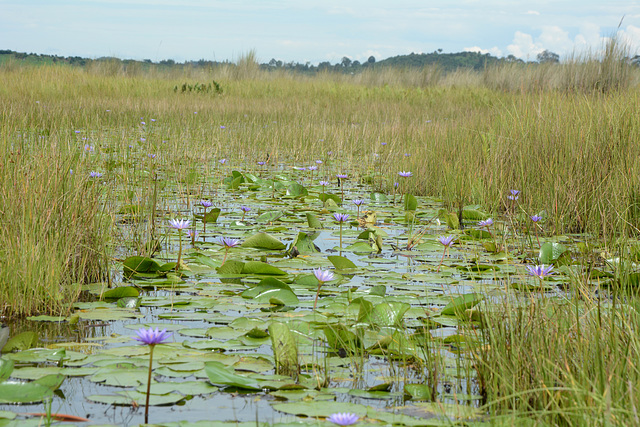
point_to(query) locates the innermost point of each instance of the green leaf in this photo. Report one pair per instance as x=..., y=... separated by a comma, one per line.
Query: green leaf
x=378, y=290
x=313, y=221
x=419, y=391
x=328, y=196
x=269, y=216
x=201, y=258
x=139, y=264
x=258, y=267
x=458, y=305
x=6, y=367
x=450, y=218
x=341, y=263
x=296, y=190
x=304, y=243
x=231, y=267
x=285, y=349
x=263, y=241
x=340, y=337
x=265, y=284
x=24, y=392
x=386, y=314
x=550, y=252
x=219, y=374
x=410, y=202
x=53, y=382
x=211, y=216
x=22, y=341
x=133, y=397
x=378, y=197
x=121, y=292
x=474, y=215
x=277, y=297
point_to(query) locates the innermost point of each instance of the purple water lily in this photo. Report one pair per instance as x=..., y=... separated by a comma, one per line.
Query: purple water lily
x=343, y=418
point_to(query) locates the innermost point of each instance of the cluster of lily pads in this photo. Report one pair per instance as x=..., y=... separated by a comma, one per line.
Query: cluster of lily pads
x=325, y=304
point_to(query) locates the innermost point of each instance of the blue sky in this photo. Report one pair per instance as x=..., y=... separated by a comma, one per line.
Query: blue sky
x=310, y=30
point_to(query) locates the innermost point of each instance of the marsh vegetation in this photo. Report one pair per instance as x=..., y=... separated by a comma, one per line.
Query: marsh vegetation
x=228, y=218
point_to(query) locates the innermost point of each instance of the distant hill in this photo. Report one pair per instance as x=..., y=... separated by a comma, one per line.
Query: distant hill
x=445, y=61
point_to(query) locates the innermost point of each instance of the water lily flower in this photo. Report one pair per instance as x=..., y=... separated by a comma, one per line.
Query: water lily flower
x=324, y=183
x=535, y=218
x=261, y=163
x=446, y=241
x=358, y=202
x=322, y=276
x=343, y=418
x=180, y=224
x=405, y=174
x=342, y=176
x=486, y=223
x=244, y=210
x=340, y=217
x=514, y=195
x=151, y=156
x=222, y=161
x=94, y=174
x=228, y=242
x=151, y=336
x=540, y=271
x=312, y=168
x=206, y=203
x=383, y=143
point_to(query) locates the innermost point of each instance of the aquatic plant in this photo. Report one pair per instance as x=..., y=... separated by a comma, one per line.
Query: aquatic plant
x=340, y=218
x=227, y=243
x=540, y=271
x=447, y=242
x=323, y=276
x=151, y=338
x=358, y=203
x=179, y=224
x=343, y=418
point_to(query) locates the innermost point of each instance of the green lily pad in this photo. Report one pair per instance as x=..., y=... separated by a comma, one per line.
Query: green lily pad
x=341, y=263
x=458, y=305
x=137, y=398
x=121, y=292
x=263, y=241
x=219, y=374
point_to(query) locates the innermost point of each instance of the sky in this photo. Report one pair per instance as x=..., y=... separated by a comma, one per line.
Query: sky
x=313, y=31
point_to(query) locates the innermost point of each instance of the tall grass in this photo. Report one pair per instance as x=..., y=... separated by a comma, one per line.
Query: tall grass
x=567, y=363
x=467, y=137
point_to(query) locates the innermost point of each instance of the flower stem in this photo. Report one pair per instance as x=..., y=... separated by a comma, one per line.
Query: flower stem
x=146, y=405
x=441, y=260
x=315, y=302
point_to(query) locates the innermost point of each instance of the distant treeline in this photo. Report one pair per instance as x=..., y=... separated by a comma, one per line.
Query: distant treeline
x=445, y=61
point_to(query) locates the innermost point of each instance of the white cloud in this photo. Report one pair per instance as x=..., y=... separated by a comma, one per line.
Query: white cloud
x=631, y=36
x=495, y=51
x=523, y=46
x=532, y=12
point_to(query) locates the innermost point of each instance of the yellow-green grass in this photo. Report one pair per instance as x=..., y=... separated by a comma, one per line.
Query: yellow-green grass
x=572, y=153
